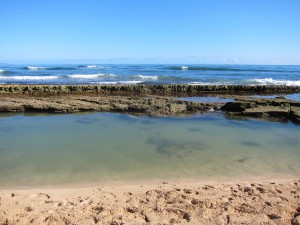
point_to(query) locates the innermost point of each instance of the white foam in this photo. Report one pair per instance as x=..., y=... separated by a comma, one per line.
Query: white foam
x=29, y=78
x=2, y=71
x=130, y=82
x=90, y=76
x=85, y=76
x=105, y=82
x=35, y=68
x=184, y=67
x=203, y=83
x=92, y=66
x=99, y=67
x=210, y=83
x=143, y=77
x=118, y=82
x=271, y=81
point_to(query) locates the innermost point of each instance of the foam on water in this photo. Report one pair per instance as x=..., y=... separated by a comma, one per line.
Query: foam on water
x=271, y=81
x=90, y=76
x=118, y=82
x=145, y=77
x=97, y=67
x=29, y=77
x=184, y=67
x=2, y=71
x=35, y=68
x=211, y=83
x=91, y=67
x=86, y=76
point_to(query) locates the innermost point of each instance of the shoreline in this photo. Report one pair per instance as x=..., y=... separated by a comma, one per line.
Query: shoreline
x=268, y=178
x=248, y=202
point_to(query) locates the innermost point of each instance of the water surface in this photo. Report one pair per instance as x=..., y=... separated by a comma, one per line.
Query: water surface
x=40, y=150
x=149, y=74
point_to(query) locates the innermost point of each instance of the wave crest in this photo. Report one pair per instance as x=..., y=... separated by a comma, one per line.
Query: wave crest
x=271, y=81
x=29, y=78
x=118, y=82
x=97, y=67
x=144, y=77
x=90, y=76
x=35, y=67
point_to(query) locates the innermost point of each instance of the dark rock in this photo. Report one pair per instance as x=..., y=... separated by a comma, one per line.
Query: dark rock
x=83, y=103
x=237, y=106
x=279, y=108
x=295, y=114
x=149, y=89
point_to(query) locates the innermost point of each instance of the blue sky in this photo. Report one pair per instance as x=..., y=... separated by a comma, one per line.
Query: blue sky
x=151, y=31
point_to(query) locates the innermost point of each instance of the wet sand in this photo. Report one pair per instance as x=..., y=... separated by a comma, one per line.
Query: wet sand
x=168, y=202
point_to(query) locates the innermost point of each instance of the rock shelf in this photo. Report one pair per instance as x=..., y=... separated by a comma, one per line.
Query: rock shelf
x=153, y=100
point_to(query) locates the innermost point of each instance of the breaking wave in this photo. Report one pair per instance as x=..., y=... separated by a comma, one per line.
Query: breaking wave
x=271, y=81
x=228, y=69
x=211, y=83
x=35, y=68
x=48, y=68
x=202, y=68
x=94, y=67
x=144, y=77
x=29, y=78
x=118, y=82
x=97, y=67
x=90, y=76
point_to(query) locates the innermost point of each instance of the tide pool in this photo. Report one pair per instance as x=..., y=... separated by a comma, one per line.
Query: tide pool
x=41, y=149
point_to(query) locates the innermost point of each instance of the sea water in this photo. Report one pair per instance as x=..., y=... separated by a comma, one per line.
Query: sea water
x=148, y=74
x=41, y=149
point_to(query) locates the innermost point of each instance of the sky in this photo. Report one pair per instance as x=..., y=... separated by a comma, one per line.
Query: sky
x=151, y=31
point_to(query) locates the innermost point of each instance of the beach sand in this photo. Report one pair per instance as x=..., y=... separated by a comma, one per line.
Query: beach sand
x=168, y=202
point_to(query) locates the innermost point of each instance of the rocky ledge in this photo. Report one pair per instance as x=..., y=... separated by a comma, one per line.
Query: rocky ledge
x=146, y=89
x=279, y=108
x=140, y=99
x=154, y=106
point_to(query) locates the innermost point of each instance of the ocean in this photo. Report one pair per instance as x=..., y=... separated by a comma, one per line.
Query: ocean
x=149, y=74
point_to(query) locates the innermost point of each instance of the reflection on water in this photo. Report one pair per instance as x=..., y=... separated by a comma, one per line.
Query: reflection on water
x=85, y=148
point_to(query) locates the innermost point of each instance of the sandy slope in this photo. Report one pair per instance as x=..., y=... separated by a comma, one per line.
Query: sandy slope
x=261, y=202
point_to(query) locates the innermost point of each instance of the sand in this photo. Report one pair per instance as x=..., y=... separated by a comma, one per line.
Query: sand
x=260, y=202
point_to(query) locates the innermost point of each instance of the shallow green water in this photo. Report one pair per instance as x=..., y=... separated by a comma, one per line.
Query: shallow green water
x=87, y=148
